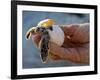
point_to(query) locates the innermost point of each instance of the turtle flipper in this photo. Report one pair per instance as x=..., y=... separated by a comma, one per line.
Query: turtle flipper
x=44, y=47
x=28, y=35
x=30, y=32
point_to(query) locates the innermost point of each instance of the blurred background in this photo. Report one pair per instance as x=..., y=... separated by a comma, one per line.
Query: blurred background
x=31, y=55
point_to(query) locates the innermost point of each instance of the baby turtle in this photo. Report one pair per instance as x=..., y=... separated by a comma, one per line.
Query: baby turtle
x=49, y=32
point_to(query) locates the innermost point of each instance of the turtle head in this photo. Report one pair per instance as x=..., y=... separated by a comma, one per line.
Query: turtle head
x=46, y=23
x=41, y=26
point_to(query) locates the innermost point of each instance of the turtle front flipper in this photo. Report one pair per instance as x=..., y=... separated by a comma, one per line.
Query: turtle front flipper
x=30, y=32
x=44, y=47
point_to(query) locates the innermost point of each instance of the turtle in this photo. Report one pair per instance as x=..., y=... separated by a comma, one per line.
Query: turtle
x=42, y=28
x=49, y=32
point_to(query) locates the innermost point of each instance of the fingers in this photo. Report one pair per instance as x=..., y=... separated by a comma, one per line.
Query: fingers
x=81, y=34
x=73, y=54
x=54, y=49
x=54, y=57
x=36, y=39
x=51, y=46
x=69, y=29
x=77, y=33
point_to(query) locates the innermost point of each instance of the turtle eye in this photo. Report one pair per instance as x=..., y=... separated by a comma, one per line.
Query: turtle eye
x=43, y=29
x=40, y=29
x=51, y=28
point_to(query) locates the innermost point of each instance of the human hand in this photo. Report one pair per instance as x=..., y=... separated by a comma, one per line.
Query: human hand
x=75, y=47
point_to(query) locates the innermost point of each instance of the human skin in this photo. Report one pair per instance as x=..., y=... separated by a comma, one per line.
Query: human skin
x=75, y=47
